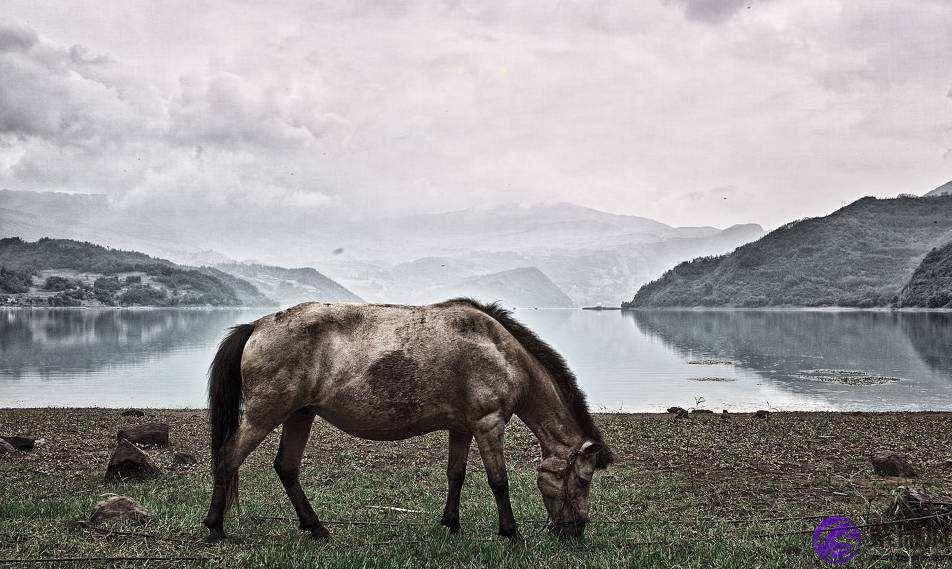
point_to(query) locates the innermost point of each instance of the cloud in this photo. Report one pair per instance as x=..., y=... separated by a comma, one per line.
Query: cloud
x=713, y=11
x=432, y=105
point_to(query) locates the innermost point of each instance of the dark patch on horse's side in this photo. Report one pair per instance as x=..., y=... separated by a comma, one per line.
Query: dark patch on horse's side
x=345, y=322
x=554, y=364
x=393, y=377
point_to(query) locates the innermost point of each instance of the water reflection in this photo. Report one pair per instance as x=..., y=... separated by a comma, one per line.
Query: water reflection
x=626, y=361
x=784, y=346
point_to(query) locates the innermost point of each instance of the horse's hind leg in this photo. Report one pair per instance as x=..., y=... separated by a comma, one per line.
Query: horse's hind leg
x=489, y=439
x=455, y=474
x=248, y=436
x=294, y=435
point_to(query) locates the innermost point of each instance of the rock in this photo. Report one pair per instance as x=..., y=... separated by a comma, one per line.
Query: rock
x=762, y=414
x=118, y=507
x=147, y=434
x=6, y=448
x=132, y=413
x=675, y=410
x=21, y=443
x=724, y=414
x=920, y=507
x=892, y=464
x=702, y=412
x=128, y=462
x=682, y=414
x=183, y=459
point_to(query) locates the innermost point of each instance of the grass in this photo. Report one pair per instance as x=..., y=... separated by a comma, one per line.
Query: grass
x=697, y=492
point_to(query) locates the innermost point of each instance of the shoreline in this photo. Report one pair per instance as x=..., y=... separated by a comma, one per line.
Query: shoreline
x=879, y=309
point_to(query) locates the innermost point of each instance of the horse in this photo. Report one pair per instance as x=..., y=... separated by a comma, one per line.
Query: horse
x=392, y=372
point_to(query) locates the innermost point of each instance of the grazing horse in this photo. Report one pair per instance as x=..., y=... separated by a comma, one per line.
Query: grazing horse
x=387, y=372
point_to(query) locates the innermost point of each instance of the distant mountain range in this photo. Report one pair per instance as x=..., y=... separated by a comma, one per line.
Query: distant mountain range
x=64, y=272
x=523, y=287
x=290, y=286
x=591, y=255
x=863, y=255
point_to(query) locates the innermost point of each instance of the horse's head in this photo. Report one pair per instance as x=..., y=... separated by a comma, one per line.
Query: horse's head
x=565, y=484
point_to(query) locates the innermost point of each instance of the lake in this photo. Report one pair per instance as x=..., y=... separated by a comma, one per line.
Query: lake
x=629, y=361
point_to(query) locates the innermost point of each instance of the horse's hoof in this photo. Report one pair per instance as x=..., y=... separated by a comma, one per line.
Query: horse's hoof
x=215, y=536
x=320, y=533
x=514, y=536
x=451, y=525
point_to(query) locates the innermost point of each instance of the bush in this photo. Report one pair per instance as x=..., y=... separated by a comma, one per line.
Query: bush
x=14, y=281
x=133, y=279
x=55, y=283
x=143, y=295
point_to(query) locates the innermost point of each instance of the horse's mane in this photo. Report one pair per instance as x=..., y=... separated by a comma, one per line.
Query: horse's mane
x=555, y=365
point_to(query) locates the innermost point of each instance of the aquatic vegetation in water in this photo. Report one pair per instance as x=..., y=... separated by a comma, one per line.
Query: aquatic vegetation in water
x=711, y=363
x=846, y=377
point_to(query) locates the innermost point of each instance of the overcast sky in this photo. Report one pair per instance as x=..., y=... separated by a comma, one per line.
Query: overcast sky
x=687, y=111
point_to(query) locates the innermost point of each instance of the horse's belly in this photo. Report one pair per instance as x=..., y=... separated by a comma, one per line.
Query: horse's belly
x=383, y=426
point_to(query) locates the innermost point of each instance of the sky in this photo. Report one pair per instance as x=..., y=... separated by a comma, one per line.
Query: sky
x=691, y=112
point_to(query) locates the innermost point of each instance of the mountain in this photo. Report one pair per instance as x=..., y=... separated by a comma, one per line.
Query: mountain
x=943, y=190
x=523, y=287
x=62, y=272
x=931, y=284
x=590, y=254
x=291, y=286
x=861, y=255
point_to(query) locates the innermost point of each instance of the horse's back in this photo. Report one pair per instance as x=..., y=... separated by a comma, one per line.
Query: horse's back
x=383, y=371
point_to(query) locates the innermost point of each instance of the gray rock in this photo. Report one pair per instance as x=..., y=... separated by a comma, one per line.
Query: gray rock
x=21, y=443
x=892, y=464
x=132, y=413
x=6, y=448
x=762, y=414
x=146, y=434
x=118, y=507
x=129, y=463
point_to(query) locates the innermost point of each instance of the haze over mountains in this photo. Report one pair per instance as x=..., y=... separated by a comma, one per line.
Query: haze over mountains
x=590, y=256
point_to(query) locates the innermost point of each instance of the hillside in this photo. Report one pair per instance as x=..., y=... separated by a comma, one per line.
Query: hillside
x=62, y=272
x=291, y=286
x=522, y=287
x=861, y=255
x=931, y=284
x=943, y=190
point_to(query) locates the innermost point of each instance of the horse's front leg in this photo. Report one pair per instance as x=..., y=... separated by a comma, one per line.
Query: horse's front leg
x=489, y=439
x=455, y=474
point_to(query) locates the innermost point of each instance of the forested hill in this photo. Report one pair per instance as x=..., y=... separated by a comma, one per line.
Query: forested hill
x=931, y=284
x=62, y=272
x=861, y=255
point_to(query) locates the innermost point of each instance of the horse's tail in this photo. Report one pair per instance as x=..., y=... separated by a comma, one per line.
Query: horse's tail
x=224, y=397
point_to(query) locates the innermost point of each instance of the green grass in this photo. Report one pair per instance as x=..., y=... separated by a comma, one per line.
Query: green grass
x=679, y=507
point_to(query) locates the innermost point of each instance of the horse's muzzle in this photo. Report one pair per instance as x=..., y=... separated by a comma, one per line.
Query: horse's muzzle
x=568, y=530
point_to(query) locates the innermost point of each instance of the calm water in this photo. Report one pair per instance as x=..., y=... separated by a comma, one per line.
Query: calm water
x=626, y=361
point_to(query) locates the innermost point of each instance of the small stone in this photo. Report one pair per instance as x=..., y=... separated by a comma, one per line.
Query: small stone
x=892, y=464
x=762, y=414
x=24, y=444
x=118, y=507
x=128, y=462
x=147, y=434
x=183, y=459
x=6, y=448
x=132, y=413
x=675, y=410
x=702, y=412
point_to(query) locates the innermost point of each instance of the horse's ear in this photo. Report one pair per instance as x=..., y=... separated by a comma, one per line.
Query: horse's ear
x=589, y=448
x=553, y=464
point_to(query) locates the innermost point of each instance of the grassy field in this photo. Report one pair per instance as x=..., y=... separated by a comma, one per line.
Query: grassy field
x=696, y=492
